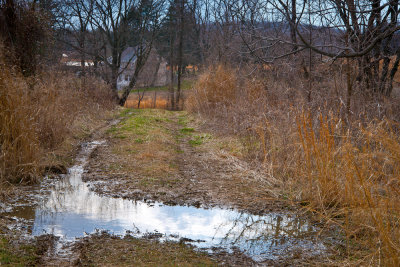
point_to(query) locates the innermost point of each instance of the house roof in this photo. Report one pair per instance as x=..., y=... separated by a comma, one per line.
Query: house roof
x=129, y=55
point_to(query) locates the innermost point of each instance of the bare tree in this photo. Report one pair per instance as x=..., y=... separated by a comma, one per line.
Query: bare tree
x=181, y=12
x=172, y=36
x=146, y=22
x=104, y=29
x=362, y=30
x=111, y=19
x=74, y=18
x=23, y=29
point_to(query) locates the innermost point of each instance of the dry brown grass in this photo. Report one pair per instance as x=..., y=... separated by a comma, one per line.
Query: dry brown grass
x=215, y=88
x=38, y=114
x=355, y=178
x=129, y=251
x=159, y=103
x=19, y=140
x=343, y=167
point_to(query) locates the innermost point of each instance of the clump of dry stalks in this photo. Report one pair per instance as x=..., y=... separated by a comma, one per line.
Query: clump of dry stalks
x=346, y=169
x=38, y=114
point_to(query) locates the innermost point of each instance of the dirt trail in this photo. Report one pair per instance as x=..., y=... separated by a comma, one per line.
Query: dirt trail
x=158, y=155
x=218, y=178
x=195, y=170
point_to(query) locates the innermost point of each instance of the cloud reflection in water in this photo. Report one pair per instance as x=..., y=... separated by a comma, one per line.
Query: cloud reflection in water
x=71, y=210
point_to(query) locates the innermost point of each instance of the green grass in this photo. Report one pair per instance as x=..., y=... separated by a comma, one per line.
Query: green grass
x=139, y=141
x=199, y=139
x=125, y=112
x=25, y=255
x=183, y=121
x=137, y=122
x=187, y=130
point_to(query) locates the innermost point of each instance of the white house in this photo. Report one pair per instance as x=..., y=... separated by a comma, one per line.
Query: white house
x=75, y=62
x=153, y=73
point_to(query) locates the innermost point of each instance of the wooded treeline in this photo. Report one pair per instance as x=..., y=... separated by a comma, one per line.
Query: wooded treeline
x=361, y=34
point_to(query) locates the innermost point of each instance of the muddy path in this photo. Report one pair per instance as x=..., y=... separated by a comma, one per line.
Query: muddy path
x=212, y=177
x=170, y=158
x=155, y=188
x=177, y=164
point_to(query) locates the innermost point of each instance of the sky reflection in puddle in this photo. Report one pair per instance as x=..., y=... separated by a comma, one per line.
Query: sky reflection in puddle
x=72, y=210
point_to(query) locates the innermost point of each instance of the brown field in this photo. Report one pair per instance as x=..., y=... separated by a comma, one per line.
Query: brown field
x=156, y=99
x=151, y=99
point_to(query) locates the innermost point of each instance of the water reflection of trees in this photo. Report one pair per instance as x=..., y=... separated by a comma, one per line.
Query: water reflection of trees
x=72, y=194
x=256, y=235
x=259, y=235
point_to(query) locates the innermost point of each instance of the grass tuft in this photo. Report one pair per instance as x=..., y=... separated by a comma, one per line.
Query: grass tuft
x=187, y=130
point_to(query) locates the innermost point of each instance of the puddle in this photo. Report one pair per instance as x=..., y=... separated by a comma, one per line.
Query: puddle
x=71, y=210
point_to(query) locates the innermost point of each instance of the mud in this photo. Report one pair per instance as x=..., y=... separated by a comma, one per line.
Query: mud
x=204, y=177
x=215, y=205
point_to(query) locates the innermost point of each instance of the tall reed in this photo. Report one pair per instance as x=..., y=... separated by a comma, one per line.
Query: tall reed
x=354, y=175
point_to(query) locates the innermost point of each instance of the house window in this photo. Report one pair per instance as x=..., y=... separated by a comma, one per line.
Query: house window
x=127, y=78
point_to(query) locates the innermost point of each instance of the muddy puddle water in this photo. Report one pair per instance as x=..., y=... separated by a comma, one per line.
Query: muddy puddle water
x=72, y=210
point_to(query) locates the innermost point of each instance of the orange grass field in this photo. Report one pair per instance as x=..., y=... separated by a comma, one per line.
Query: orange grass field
x=158, y=99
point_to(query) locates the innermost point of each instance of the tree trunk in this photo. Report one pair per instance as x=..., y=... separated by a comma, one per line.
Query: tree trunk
x=155, y=99
x=180, y=52
x=114, y=81
x=11, y=21
x=171, y=66
x=140, y=97
x=393, y=73
x=292, y=26
x=155, y=77
x=172, y=89
x=127, y=90
x=349, y=87
x=115, y=64
x=384, y=75
x=83, y=57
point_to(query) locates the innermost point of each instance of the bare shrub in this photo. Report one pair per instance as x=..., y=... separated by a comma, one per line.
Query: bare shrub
x=215, y=88
x=25, y=34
